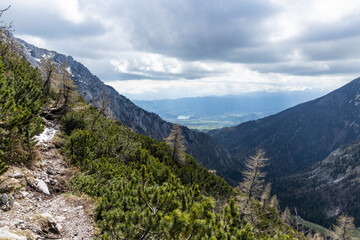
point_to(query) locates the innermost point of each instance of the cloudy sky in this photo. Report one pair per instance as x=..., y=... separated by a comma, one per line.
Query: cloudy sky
x=151, y=49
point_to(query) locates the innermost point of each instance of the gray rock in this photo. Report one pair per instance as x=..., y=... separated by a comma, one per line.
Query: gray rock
x=39, y=185
x=7, y=201
x=17, y=175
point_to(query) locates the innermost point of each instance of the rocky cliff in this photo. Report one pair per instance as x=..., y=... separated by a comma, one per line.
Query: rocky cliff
x=92, y=89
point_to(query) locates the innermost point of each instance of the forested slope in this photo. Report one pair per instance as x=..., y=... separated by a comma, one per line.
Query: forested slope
x=139, y=190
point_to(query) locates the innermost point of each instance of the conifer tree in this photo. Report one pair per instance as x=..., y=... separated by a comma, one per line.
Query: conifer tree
x=49, y=74
x=265, y=196
x=176, y=141
x=274, y=203
x=66, y=92
x=253, y=175
x=20, y=102
x=103, y=105
x=286, y=216
x=344, y=228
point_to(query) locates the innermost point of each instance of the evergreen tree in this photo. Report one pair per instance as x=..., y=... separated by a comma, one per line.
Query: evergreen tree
x=176, y=141
x=344, y=228
x=68, y=88
x=286, y=216
x=253, y=176
x=49, y=74
x=265, y=196
x=20, y=104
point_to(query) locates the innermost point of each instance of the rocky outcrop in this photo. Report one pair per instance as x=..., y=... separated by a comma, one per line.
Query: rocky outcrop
x=92, y=89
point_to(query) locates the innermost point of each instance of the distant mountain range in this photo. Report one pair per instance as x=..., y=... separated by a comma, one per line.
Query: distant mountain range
x=221, y=111
x=296, y=140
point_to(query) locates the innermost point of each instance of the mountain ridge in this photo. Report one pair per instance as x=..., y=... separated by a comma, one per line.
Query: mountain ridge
x=309, y=131
x=208, y=152
x=332, y=182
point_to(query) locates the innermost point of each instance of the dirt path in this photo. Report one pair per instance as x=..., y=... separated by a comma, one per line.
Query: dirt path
x=36, y=194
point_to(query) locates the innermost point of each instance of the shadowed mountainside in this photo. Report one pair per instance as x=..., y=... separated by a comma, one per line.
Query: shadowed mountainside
x=298, y=137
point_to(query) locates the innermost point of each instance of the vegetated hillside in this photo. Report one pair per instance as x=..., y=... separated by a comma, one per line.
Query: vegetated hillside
x=208, y=152
x=20, y=105
x=139, y=190
x=144, y=194
x=298, y=137
x=331, y=187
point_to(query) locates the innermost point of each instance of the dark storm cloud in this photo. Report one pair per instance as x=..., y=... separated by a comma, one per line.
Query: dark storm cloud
x=311, y=68
x=348, y=27
x=195, y=30
x=232, y=31
x=47, y=25
x=347, y=48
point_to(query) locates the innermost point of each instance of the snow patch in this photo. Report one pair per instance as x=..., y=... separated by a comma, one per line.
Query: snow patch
x=338, y=180
x=46, y=135
x=68, y=69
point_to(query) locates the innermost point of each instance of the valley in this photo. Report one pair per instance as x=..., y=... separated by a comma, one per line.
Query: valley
x=213, y=112
x=179, y=120
x=294, y=139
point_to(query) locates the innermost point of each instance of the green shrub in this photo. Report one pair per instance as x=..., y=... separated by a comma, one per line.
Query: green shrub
x=3, y=166
x=72, y=121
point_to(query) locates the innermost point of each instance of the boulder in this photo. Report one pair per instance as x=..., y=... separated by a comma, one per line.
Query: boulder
x=47, y=223
x=42, y=187
x=7, y=201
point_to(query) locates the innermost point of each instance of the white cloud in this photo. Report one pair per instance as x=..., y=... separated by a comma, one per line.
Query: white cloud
x=295, y=16
x=188, y=48
x=145, y=63
x=239, y=80
x=69, y=10
x=36, y=41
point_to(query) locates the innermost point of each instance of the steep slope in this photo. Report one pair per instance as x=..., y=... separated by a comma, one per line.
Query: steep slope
x=298, y=137
x=92, y=89
x=331, y=187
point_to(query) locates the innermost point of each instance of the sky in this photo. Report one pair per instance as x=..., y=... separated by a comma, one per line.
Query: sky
x=155, y=49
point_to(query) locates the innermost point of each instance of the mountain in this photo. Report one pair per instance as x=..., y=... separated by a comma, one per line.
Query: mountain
x=314, y=154
x=301, y=136
x=260, y=103
x=213, y=112
x=200, y=145
x=329, y=188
